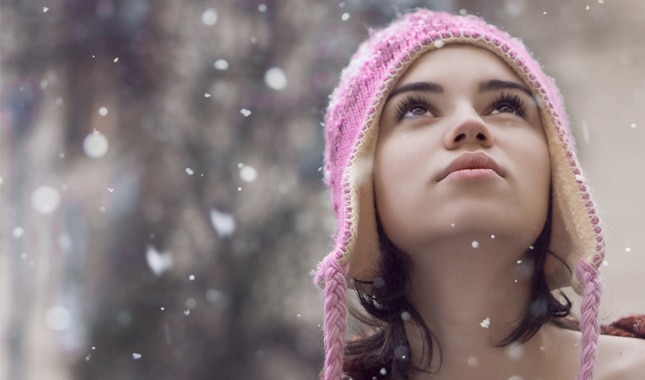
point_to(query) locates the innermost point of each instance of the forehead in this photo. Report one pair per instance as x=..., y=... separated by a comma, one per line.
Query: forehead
x=458, y=63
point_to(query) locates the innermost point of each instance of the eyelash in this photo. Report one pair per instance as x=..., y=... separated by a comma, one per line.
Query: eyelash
x=517, y=103
x=409, y=103
x=512, y=100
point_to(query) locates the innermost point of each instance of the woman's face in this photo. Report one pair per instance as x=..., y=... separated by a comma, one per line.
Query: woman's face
x=461, y=152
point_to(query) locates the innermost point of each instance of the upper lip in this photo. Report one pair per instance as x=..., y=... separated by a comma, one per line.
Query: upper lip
x=471, y=160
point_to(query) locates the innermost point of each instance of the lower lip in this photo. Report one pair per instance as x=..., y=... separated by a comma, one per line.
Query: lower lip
x=472, y=174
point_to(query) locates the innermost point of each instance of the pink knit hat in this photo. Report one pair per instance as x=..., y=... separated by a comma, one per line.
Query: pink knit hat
x=351, y=131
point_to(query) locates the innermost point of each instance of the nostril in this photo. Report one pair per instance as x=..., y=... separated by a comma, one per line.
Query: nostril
x=481, y=136
x=460, y=137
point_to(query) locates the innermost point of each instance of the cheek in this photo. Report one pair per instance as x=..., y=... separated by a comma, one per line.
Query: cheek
x=542, y=166
x=398, y=163
x=401, y=172
x=392, y=207
x=389, y=186
x=536, y=181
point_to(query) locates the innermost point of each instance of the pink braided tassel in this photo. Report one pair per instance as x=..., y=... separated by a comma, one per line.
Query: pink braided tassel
x=334, y=276
x=589, y=317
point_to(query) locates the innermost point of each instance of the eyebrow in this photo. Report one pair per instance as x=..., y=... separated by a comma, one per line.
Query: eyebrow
x=416, y=86
x=496, y=84
x=433, y=87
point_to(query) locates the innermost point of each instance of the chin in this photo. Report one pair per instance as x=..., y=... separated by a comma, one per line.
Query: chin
x=494, y=225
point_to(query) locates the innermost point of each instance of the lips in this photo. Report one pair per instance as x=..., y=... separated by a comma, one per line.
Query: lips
x=471, y=161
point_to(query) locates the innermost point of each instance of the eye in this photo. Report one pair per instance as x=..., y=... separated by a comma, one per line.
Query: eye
x=505, y=108
x=507, y=103
x=412, y=108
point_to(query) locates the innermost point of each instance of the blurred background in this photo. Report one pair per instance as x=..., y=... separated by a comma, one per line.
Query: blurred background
x=160, y=173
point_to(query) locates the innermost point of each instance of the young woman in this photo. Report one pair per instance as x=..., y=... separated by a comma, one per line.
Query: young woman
x=461, y=211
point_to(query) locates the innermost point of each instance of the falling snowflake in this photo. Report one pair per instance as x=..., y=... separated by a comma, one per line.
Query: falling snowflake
x=223, y=223
x=95, y=145
x=220, y=64
x=58, y=318
x=158, y=262
x=248, y=173
x=209, y=17
x=17, y=232
x=45, y=199
x=515, y=351
x=275, y=78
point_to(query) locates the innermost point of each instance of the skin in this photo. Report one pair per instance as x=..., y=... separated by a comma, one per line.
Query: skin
x=466, y=234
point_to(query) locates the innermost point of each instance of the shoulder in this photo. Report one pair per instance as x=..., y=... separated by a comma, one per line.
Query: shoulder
x=620, y=358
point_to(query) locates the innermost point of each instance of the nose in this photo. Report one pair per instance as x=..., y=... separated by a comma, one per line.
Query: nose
x=468, y=128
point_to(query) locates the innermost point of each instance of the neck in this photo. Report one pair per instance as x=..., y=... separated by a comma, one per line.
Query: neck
x=471, y=296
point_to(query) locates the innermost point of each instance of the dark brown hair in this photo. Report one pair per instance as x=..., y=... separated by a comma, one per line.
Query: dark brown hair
x=385, y=354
